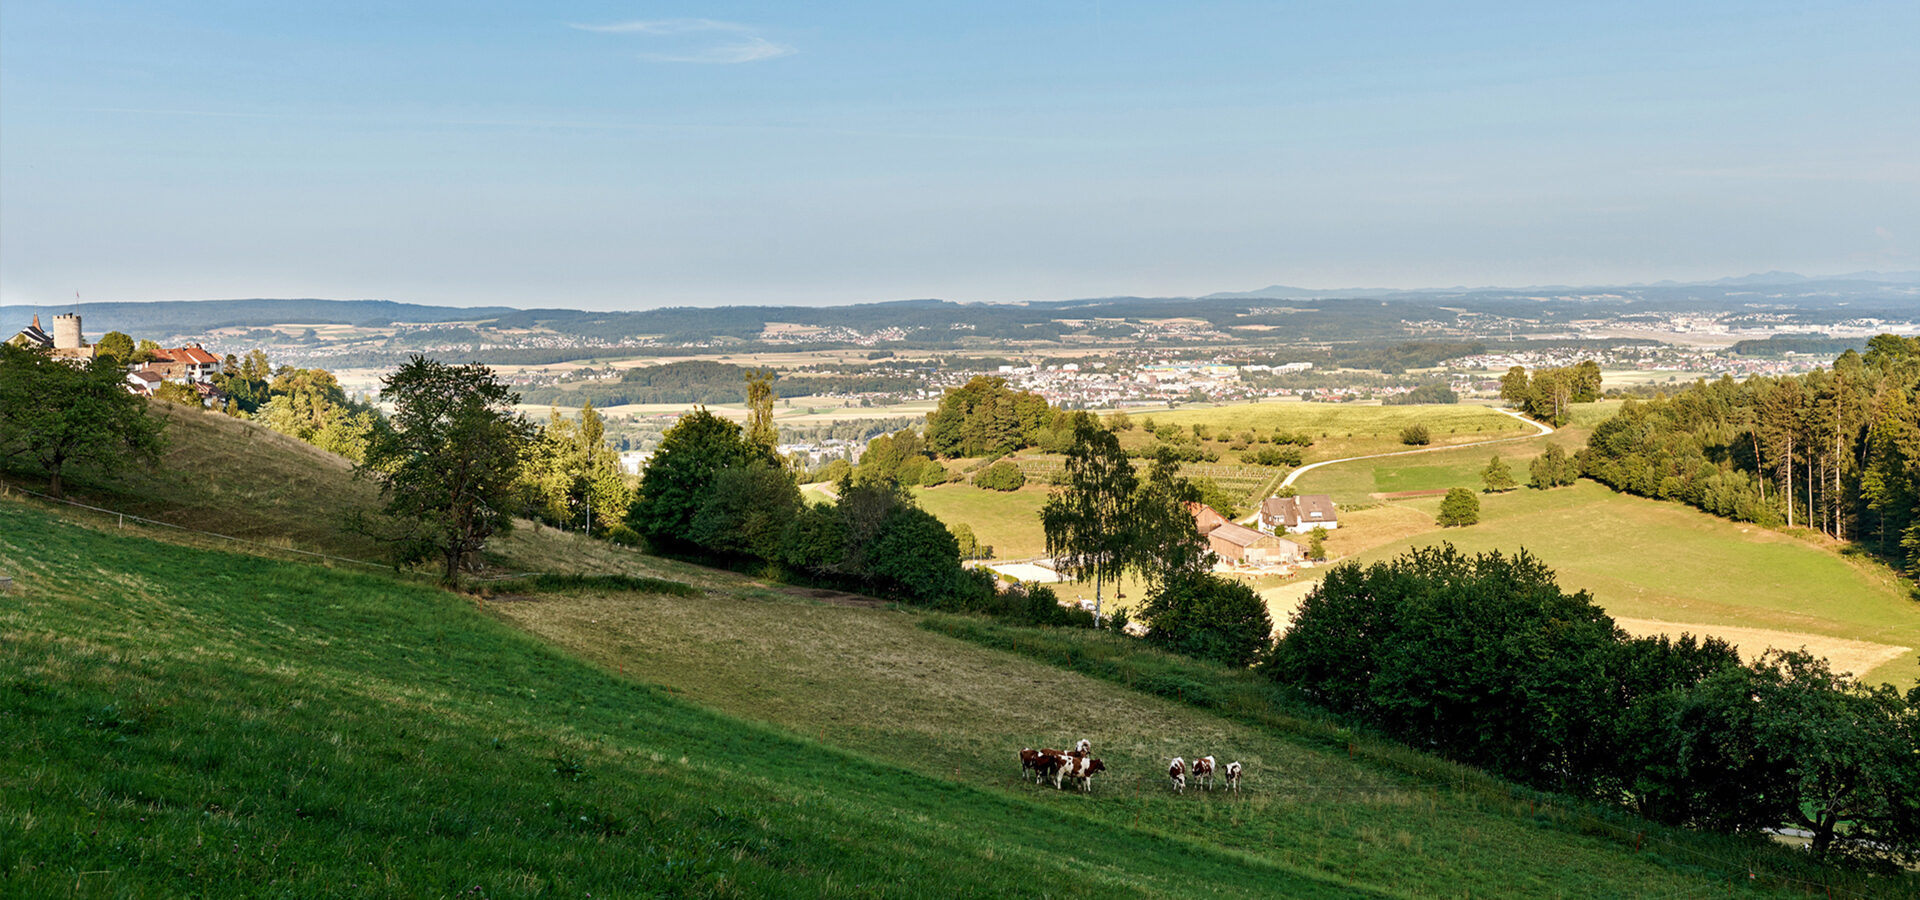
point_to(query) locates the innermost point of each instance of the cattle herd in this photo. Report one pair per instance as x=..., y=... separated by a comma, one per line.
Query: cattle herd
x=1080, y=765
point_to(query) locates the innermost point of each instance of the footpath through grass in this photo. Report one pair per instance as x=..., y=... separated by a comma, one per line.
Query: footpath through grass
x=183, y=722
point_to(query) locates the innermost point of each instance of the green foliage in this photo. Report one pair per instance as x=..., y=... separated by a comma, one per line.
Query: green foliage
x=1461, y=507
x=1553, y=468
x=1001, y=476
x=1435, y=392
x=1415, y=435
x=984, y=417
x=1487, y=660
x=680, y=475
x=746, y=510
x=1497, y=477
x=970, y=546
x=1118, y=421
x=448, y=460
x=1317, y=543
x=1548, y=395
x=1209, y=617
x=1212, y=494
x=1088, y=522
x=570, y=475
x=116, y=346
x=55, y=415
x=1838, y=450
x=1272, y=456
x=177, y=392
x=1482, y=657
x=760, y=427
x=899, y=458
x=1165, y=544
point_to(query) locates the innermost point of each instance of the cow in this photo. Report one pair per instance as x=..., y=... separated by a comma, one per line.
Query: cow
x=1233, y=777
x=1084, y=748
x=1177, y=773
x=1050, y=762
x=1028, y=757
x=1203, y=771
x=1083, y=768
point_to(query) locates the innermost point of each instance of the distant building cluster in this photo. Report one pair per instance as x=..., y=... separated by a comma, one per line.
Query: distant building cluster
x=190, y=365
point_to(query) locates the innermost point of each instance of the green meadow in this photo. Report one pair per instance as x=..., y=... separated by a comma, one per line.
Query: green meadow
x=186, y=722
x=1646, y=559
x=1341, y=430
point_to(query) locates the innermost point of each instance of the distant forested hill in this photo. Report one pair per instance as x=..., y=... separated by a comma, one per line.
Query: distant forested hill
x=191, y=316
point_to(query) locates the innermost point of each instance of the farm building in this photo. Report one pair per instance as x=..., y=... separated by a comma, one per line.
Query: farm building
x=1298, y=515
x=1205, y=518
x=1245, y=546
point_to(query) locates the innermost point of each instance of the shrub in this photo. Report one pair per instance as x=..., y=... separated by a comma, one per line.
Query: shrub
x=1460, y=507
x=1415, y=436
x=1209, y=617
x=1001, y=476
x=624, y=536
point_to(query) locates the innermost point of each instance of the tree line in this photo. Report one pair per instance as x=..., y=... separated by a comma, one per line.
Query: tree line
x=1487, y=661
x=1836, y=450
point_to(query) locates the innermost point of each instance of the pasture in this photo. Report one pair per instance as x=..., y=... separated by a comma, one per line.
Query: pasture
x=870, y=681
x=1671, y=564
x=1341, y=429
x=1007, y=520
x=201, y=723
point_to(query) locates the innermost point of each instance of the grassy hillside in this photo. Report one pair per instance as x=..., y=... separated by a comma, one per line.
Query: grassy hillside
x=233, y=477
x=1645, y=559
x=209, y=724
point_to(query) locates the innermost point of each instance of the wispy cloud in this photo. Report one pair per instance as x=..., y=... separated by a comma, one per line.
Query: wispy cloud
x=696, y=40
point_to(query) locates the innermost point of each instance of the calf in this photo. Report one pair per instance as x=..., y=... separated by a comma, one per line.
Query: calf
x=1233, y=777
x=1083, y=768
x=1177, y=773
x=1203, y=771
x=1028, y=756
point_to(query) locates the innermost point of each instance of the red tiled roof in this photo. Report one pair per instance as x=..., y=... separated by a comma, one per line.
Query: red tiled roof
x=191, y=355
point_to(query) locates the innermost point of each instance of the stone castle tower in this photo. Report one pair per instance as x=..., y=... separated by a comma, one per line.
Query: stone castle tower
x=66, y=331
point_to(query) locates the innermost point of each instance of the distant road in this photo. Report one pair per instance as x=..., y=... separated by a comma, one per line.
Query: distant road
x=1543, y=431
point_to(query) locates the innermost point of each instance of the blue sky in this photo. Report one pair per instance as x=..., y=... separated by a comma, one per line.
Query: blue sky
x=631, y=155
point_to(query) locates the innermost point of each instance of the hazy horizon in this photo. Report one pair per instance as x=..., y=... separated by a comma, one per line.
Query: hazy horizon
x=591, y=155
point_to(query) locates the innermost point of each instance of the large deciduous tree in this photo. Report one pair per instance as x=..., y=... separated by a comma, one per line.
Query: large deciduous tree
x=679, y=478
x=56, y=414
x=1088, y=522
x=448, y=458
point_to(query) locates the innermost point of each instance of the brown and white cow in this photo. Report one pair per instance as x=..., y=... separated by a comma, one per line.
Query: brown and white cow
x=1028, y=757
x=1177, y=774
x=1084, y=748
x=1083, y=768
x=1203, y=771
x=1233, y=777
x=1049, y=762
